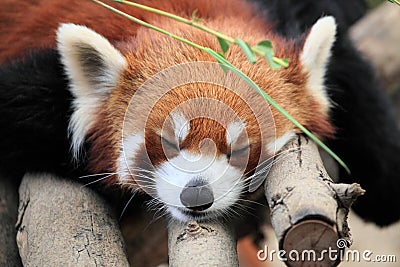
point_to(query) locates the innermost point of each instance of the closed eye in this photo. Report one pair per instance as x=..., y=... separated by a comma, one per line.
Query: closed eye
x=169, y=144
x=238, y=152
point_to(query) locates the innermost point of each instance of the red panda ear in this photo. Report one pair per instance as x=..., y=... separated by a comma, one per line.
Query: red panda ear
x=93, y=67
x=92, y=64
x=315, y=56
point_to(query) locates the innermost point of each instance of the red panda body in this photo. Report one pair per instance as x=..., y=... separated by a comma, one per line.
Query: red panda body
x=106, y=73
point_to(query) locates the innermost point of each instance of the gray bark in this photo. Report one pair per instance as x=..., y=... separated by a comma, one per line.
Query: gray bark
x=62, y=224
x=201, y=244
x=308, y=210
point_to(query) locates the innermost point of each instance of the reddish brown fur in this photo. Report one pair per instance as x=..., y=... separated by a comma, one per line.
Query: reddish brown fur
x=148, y=52
x=31, y=24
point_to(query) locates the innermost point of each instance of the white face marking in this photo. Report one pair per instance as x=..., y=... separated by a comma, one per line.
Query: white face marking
x=277, y=145
x=130, y=147
x=171, y=177
x=315, y=56
x=233, y=131
x=181, y=126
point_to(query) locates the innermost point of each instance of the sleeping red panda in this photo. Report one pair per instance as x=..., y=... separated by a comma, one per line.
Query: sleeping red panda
x=154, y=113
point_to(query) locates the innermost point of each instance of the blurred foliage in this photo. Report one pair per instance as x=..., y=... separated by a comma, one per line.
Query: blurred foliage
x=374, y=3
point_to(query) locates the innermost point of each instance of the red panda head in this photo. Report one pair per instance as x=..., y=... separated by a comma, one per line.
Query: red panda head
x=165, y=119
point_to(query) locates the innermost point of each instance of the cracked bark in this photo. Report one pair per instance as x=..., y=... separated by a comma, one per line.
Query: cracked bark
x=308, y=210
x=308, y=213
x=62, y=224
x=201, y=244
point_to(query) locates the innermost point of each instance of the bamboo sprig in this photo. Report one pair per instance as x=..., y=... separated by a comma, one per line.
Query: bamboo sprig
x=227, y=65
x=148, y=25
x=267, y=97
x=192, y=23
x=395, y=2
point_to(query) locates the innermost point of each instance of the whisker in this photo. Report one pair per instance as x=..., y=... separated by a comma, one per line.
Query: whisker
x=244, y=208
x=98, y=180
x=143, y=176
x=138, y=185
x=98, y=174
x=129, y=201
x=141, y=170
x=270, y=164
x=268, y=160
x=153, y=203
x=163, y=213
x=252, y=202
x=158, y=207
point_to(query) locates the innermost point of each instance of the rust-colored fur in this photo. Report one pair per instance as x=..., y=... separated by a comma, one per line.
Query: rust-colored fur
x=32, y=25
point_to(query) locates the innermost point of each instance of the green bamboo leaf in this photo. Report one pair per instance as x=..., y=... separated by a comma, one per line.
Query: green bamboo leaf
x=246, y=48
x=271, y=62
x=265, y=46
x=223, y=44
x=220, y=58
x=267, y=49
x=194, y=16
x=285, y=62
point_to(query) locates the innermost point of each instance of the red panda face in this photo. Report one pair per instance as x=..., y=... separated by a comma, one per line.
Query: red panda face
x=171, y=123
x=198, y=140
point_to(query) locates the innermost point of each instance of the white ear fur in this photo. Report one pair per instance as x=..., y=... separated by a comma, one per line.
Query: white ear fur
x=234, y=130
x=93, y=67
x=315, y=56
x=181, y=126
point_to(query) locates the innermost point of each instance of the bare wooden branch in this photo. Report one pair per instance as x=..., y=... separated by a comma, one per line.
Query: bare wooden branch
x=377, y=35
x=201, y=244
x=62, y=224
x=8, y=216
x=308, y=211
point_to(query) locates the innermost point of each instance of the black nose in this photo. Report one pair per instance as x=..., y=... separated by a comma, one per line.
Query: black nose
x=197, y=196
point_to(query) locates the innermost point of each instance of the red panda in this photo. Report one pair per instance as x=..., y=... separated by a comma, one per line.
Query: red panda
x=157, y=113
x=192, y=155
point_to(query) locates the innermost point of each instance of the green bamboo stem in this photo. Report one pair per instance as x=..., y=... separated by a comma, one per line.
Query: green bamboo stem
x=198, y=26
x=395, y=1
x=177, y=18
x=220, y=59
x=267, y=97
x=148, y=25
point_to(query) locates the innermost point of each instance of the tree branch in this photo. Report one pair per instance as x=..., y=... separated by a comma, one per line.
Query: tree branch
x=308, y=211
x=201, y=244
x=60, y=222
